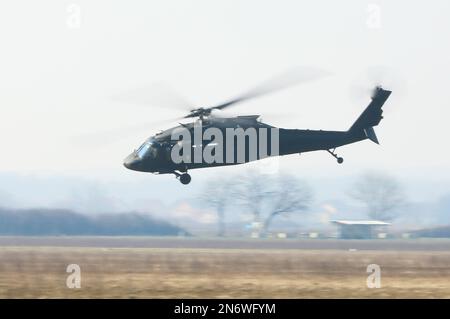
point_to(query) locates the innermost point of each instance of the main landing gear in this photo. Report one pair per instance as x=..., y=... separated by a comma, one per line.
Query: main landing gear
x=340, y=160
x=184, y=178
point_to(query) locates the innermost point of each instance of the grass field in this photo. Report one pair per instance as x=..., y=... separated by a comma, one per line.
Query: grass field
x=40, y=272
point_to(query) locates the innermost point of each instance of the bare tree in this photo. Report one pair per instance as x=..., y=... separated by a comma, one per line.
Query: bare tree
x=267, y=197
x=253, y=190
x=216, y=194
x=291, y=195
x=380, y=193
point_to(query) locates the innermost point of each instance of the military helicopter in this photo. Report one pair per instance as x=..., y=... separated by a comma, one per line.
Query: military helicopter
x=156, y=154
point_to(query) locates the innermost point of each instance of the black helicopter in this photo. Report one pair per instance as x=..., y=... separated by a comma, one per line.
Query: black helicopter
x=156, y=154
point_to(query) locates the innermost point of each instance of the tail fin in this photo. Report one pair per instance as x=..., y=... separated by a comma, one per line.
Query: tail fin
x=372, y=115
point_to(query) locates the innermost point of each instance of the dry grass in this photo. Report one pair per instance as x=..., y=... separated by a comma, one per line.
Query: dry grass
x=40, y=272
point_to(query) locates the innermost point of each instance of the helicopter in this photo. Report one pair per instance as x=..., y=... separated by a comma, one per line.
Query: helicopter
x=172, y=151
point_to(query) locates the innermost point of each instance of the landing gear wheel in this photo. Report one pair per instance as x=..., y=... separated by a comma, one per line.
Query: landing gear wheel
x=340, y=160
x=185, y=178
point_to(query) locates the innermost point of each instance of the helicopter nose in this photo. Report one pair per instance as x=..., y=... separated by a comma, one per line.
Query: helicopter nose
x=131, y=162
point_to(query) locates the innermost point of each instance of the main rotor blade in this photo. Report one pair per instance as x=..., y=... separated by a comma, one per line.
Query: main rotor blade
x=106, y=137
x=158, y=95
x=277, y=83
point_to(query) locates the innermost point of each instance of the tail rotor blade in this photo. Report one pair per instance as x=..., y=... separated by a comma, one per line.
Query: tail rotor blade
x=386, y=77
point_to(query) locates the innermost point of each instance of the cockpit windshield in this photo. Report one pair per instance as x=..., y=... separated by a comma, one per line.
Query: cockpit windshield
x=148, y=149
x=143, y=149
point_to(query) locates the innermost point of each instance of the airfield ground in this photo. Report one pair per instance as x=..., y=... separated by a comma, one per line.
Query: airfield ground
x=145, y=267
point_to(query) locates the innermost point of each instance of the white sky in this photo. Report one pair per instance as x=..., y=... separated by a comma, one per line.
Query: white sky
x=57, y=82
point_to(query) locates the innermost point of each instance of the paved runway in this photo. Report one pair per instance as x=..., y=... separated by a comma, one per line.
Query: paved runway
x=229, y=243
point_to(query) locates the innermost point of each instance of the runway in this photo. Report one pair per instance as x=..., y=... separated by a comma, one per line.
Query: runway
x=229, y=243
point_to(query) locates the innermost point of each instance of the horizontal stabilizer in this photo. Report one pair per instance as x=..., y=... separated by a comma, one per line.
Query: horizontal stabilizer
x=370, y=134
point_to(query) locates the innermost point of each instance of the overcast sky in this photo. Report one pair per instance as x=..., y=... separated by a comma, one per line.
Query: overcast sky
x=63, y=62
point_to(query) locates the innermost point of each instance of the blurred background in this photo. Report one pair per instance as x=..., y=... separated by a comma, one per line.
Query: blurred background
x=83, y=83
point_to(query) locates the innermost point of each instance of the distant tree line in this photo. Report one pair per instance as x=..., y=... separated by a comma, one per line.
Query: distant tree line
x=435, y=232
x=36, y=222
x=263, y=197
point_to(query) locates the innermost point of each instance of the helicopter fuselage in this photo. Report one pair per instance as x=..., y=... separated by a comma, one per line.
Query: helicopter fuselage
x=269, y=141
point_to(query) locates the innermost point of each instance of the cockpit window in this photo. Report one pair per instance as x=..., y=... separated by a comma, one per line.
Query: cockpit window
x=148, y=149
x=142, y=151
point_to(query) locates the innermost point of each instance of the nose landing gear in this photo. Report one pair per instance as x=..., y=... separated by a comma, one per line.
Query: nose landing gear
x=340, y=160
x=184, y=178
